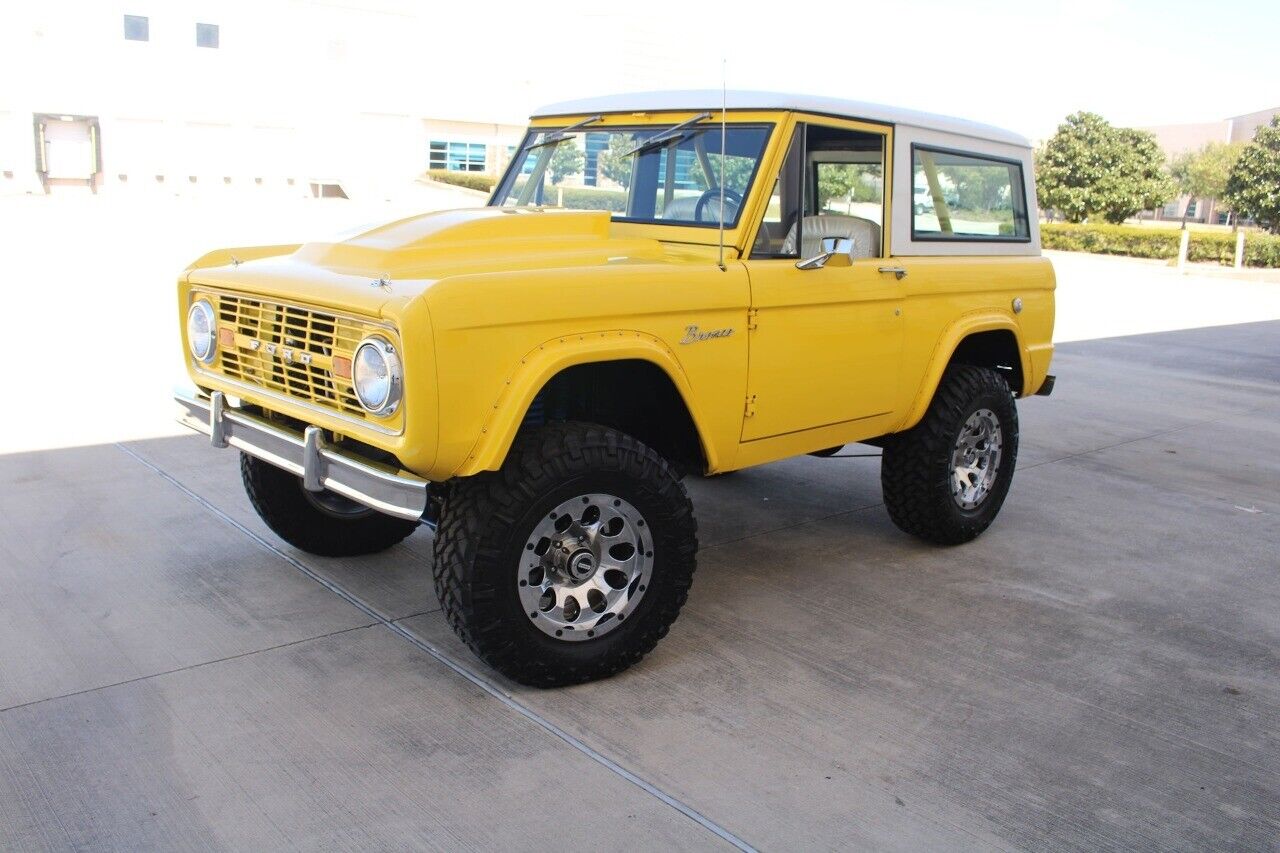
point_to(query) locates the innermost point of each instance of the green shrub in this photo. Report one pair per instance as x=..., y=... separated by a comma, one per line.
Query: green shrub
x=470, y=180
x=575, y=198
x=583, y=199
x=1110, y=240
x=1218, y=248
x=1260, y=250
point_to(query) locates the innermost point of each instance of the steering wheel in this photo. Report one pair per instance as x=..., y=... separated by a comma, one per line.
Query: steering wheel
x=730, y=197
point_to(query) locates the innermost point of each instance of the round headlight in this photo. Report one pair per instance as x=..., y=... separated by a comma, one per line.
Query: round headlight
x=202, y=330
x=376, y=376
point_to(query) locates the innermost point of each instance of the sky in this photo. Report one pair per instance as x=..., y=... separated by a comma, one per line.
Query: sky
x=1020, y=65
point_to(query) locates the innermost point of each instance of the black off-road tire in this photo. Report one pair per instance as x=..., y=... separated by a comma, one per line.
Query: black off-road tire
x=280, y=501
x=915, y=471
x=480, y=545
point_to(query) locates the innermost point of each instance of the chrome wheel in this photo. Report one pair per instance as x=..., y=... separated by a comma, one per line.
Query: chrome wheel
x=585, y=568
x=975, y=461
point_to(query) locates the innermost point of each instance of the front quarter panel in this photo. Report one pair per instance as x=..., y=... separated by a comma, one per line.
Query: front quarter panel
x=500, y=337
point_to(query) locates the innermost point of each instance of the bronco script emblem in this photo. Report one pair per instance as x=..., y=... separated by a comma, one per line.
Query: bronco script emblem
x=693, y=335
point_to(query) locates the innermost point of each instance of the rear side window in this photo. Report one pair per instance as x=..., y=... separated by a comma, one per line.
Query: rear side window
x=967, y=197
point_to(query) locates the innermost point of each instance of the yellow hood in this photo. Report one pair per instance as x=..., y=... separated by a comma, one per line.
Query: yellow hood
x=412, y=253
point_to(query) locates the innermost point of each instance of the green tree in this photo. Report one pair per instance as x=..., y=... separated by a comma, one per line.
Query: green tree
x=837, y=181
x=1204, y=173
x=980, y=188
x=1253, y=187
x=613, y=162
x=567, y=160
x=1089, y=168
x=737, y=171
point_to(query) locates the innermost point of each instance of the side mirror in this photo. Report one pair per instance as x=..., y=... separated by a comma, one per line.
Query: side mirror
x=836, y=252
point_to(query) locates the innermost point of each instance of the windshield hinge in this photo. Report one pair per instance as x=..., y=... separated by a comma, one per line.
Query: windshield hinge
x=751, y=406
x=752, y=314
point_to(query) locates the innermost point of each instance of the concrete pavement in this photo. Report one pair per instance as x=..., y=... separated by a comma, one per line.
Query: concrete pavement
x=1100, y=670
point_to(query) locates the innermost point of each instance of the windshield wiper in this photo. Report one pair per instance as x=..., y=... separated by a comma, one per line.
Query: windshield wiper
x=667, y=135
x=555, y=137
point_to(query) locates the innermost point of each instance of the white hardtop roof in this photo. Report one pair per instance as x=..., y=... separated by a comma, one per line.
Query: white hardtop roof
x=737, y=99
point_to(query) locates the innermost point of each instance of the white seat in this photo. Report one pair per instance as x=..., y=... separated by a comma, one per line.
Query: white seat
x=682, y=209
x=864, y=233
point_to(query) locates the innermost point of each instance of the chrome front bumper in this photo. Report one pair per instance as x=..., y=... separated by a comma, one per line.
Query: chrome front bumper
x=305, y=454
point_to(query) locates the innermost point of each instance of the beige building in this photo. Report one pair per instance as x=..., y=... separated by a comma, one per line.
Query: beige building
x=1178, y=139
x=263, y=95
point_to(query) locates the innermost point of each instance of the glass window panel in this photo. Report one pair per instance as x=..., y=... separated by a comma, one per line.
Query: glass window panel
x=959, y=196
x=637, y=185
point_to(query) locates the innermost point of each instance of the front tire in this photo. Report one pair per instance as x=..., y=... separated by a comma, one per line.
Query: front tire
x=323, y=523
x=945, y=479
x=572, y=561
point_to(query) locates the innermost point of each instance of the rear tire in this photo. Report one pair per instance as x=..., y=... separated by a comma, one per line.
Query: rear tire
x=625, y=525
x=323, y=523
x=945, y=479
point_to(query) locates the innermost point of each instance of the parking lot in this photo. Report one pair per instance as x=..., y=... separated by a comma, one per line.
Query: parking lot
x=1099, y=671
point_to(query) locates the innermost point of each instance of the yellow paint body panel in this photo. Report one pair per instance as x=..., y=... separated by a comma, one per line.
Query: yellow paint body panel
x=487, y=305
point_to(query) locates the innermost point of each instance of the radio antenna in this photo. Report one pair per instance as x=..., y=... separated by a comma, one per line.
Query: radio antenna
x=724, y=153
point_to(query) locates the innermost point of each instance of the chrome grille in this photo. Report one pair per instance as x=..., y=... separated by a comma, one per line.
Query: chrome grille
x=289, y=349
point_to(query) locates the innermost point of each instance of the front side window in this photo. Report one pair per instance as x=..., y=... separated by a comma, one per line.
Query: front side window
x=962, y=196
x=831, y=185
x=662, y=174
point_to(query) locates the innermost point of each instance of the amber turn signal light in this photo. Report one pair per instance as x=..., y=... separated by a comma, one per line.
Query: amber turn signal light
x=341, y=367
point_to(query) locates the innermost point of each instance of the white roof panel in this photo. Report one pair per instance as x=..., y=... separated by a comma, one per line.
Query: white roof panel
x=737, y=99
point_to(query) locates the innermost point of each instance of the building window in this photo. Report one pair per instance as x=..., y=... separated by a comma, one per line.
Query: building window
x=529, y=162
x=595, y=143
x=137, y=28
x=457, y=156
x=1191, y=209
x=1171, y=210
x=206, y=35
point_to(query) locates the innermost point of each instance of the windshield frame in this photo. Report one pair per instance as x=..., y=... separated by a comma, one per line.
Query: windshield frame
x=612, y=123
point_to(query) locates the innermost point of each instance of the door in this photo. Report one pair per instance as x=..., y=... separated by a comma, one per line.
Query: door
x=69, y=150
x=826, y=341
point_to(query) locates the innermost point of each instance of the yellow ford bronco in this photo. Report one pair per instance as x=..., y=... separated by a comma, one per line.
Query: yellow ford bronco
x=662, y=284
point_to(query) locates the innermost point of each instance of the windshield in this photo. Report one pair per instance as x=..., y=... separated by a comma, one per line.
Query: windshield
x=653, y=173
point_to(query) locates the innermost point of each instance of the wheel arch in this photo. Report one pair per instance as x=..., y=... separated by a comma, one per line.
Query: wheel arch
x=569, y=372
x=983, y=340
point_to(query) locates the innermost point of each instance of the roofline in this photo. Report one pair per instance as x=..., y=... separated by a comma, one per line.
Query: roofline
x=739, y=100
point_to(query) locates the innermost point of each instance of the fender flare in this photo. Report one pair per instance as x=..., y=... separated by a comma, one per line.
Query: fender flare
x=982, y=320
x=548, y=359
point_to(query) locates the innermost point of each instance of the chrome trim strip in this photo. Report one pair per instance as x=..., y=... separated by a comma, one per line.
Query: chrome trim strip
x=305, y=455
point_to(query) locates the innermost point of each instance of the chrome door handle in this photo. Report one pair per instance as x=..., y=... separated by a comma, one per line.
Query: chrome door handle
x=898, y=272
